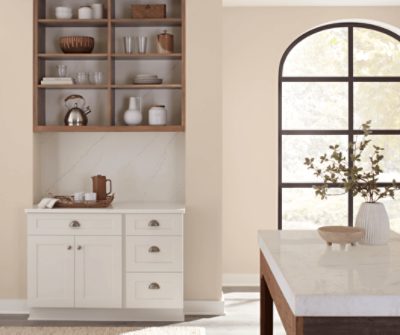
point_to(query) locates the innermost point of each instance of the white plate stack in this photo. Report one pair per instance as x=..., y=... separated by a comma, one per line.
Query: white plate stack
x=147, y=79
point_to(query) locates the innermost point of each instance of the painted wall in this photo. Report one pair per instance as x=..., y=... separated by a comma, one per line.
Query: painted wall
x=16, y=142
x=158, y=162
x=254, y=40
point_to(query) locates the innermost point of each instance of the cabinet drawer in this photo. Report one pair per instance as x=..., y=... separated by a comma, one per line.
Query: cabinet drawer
x=154, y=253
x=154, y=290
x=70, y=224
x=157, y=224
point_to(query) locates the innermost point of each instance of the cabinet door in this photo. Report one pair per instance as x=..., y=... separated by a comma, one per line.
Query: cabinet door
x=51, y=271
x=98, y=271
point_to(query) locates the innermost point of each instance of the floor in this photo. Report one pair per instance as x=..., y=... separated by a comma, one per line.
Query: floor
x=241, y=317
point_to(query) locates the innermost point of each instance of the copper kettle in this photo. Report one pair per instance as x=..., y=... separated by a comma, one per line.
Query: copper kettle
x=100, y=186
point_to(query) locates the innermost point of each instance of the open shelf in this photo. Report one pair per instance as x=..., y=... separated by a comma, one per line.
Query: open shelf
x=73, y=23
x=140, y=128
x=110, y=99
x=61, y=56
x=167, y=22
x=156, y=56
x=74, y=87
x=149, y=86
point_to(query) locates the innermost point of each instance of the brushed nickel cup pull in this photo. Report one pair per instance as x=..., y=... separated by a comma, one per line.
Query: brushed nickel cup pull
x=154, y=286
x=75, y=224
x=79, y=247
x=154, y=249
x=154, y=223
x=69, y=247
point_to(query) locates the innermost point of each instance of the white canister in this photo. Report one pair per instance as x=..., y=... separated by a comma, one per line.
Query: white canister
x=97, y=9
x=158, y=116
x=85, y=12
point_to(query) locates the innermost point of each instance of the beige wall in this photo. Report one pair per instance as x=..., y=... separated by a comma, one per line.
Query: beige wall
x=203, y=225
x=203, y=145
x=254, y=40
x=16, y=142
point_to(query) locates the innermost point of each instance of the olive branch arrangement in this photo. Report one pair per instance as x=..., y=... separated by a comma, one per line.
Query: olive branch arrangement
x=335, y=170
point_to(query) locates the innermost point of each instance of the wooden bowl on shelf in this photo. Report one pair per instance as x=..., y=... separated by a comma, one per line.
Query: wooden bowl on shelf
x=76, y=44
x=341, y=234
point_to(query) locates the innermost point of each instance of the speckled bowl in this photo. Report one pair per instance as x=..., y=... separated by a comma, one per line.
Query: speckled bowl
x=341, y=235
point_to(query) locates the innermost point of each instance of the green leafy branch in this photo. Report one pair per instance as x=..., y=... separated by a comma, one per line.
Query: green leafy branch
x=334, y=170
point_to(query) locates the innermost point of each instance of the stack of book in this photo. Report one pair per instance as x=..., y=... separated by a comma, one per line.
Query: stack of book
x=57, y=81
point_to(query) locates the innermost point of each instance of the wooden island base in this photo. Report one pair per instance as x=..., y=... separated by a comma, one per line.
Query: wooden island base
x=271, y=293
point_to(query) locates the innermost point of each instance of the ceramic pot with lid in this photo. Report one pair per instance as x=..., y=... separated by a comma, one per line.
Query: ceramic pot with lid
x=165, y=43
x=158, y=116
x=77, y=113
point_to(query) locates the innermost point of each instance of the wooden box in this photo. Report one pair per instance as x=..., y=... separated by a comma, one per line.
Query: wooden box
x=149, y=11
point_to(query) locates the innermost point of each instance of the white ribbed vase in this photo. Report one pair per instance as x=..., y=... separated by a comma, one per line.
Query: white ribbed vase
x=372, y=216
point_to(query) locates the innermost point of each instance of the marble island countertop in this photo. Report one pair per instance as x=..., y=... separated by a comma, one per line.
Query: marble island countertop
x=318, y=280
x=118, y=208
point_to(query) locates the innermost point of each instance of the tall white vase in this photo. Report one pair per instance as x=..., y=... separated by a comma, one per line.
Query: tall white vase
x=133, y=116
x=374, y=219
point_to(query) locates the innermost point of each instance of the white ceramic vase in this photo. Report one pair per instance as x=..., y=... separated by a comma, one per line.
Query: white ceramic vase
x=372, y=216
x=133, y=116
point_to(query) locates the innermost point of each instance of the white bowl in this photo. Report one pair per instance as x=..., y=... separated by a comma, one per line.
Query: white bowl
x=63, y=16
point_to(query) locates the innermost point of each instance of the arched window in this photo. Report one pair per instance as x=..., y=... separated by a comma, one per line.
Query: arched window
x=331, y=80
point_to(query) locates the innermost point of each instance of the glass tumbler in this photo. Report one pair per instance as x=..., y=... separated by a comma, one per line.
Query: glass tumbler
x=82, y=78
x=62, y=70
x=96, y=77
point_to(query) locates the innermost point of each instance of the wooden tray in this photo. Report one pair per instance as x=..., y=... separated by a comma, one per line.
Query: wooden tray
x=69, y=202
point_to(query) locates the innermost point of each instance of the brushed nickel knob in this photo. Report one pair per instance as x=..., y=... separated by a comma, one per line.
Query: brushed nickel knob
x=154, y=249
x=154, y=223
x=154, y=286
x=75, y=224
x=69, y=247
x=79, y=247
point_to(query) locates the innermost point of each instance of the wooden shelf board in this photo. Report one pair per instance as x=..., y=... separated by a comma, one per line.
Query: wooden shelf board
x=57, y=56
x=149, y=87
x=73, y=23
x=141, y=128
x=123, y=56
x=74, y=87
x=170, y=22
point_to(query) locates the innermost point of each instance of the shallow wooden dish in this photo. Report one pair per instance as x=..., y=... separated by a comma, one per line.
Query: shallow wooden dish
x=69, y=202
x=341, y=235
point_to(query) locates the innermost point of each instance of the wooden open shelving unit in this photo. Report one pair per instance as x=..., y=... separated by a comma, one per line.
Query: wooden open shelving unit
x=109, y=57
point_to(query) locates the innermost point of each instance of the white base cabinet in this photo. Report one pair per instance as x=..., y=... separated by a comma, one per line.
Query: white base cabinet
x=97, y=262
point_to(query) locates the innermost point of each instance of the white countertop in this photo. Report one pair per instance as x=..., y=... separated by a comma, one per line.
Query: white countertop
x=117, y=208
x=318, y=280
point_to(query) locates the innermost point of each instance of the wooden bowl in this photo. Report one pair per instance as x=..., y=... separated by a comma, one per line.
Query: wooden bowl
x=341, y=235
x=76, y=44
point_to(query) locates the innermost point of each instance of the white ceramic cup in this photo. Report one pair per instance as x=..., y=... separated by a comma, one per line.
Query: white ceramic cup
x=79, y=196
x=85, y=13
x=97, y=10
x=90, y=196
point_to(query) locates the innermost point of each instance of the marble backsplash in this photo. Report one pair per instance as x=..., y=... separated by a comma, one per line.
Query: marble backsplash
x=143, y=167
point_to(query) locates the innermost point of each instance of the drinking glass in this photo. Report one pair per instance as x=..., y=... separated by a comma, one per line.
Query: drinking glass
x=96, y=77
x=62, y=70
x=82, y=78
x=128, y=44
x=142, y=44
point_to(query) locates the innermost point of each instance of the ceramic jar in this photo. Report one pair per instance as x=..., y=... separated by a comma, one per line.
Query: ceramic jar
x=133, y=116
x=85, y=12
x=97, y=9
x=158, y=116
x=372, y=216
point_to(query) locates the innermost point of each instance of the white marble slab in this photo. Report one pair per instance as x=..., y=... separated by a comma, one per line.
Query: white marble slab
x=118, y=208
x=318, y=280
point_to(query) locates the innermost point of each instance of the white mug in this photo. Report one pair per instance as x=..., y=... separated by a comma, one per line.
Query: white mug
x=97, y=10
x=85, y=12
x=79, y=196
x=90, y=196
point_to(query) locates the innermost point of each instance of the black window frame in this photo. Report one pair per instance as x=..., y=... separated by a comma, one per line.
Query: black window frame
x=350, y=79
